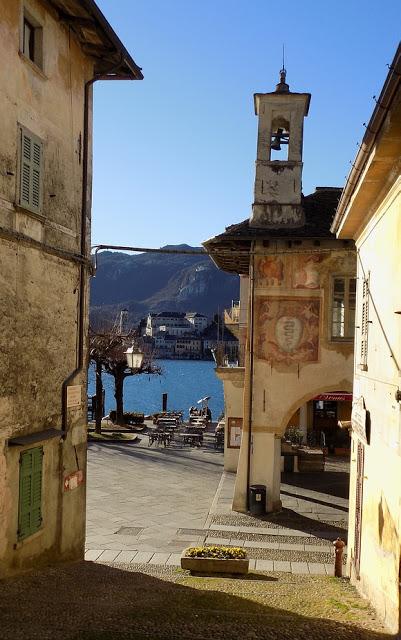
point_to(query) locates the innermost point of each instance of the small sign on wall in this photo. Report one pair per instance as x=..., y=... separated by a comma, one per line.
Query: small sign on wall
x=234, y=433
x=359, y=419
x=73, y=480
x=74, y=396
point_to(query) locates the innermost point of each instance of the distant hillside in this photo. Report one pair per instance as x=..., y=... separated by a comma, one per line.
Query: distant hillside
x=148, y=282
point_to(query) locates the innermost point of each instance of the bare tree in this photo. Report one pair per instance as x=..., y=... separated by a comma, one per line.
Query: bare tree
x=107, y=350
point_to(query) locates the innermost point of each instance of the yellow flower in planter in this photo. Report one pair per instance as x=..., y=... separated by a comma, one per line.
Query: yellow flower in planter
x=213, y=551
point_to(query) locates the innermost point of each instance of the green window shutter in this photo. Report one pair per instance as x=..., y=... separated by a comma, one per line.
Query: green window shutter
x=30, y=492
x=31, y=153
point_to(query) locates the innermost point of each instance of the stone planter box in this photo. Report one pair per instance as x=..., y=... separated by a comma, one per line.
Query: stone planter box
x=214, y=565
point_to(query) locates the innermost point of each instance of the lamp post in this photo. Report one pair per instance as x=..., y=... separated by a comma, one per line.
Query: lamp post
x=134, y=357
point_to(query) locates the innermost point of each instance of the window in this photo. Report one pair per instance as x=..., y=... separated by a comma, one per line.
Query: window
x=31, y=161
x=343, y=308
x=30, y=492
x=364, y=324
x=32, y=40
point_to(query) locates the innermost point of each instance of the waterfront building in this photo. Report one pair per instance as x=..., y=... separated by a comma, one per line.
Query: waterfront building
x=164, y=344
x=172, y=322
x=52, y=52
x=178, y=329
x=198, y=320
x=220, y=340
x=369, y=213
x=189, y=346
x=298, y=286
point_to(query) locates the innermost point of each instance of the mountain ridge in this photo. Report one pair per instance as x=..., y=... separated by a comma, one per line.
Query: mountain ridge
x=153, y=282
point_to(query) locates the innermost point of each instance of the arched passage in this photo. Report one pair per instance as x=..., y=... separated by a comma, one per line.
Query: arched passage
x=319, y=412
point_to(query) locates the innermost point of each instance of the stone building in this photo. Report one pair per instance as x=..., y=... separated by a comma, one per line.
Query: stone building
x=369, y=212
x=198, y=320
x=52, y=52
x=298, y=284
x=173, y=322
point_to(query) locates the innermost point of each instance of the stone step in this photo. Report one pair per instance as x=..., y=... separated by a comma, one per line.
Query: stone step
x=138, y=558
x=273, y=539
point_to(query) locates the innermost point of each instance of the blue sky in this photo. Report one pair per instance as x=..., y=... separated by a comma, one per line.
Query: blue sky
x=174, y=154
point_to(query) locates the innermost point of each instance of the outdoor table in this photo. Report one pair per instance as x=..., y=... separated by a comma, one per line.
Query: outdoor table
x=192, y=438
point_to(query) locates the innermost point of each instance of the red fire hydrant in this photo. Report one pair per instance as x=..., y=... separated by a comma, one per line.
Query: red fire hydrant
x=338, y=562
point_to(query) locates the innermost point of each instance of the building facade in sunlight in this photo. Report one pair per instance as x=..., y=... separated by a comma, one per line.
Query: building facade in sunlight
x=52, y=53
x=296, y=318
x=369, y=212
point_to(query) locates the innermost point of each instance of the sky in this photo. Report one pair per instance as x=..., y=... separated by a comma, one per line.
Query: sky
x=174, y=154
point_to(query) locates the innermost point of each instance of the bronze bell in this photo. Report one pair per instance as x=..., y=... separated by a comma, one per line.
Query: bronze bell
x=279, y=138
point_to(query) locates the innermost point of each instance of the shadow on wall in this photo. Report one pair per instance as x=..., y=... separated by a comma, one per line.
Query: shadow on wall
x=387, y=530
x=88, y=601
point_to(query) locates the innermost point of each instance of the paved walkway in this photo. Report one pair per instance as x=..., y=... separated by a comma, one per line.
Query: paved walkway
x=146, y=505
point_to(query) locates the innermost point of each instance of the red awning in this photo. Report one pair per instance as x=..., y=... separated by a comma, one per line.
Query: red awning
x=338, y=396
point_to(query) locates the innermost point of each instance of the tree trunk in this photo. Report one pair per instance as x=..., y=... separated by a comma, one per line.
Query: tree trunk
x=99, y=398
x=118, y=394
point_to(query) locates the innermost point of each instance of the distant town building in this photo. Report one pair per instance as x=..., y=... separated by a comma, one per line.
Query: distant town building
x=189, y=347
x=198, y=320
x=178, y=329
x=172, y=322
x=164, y=345
x=220, y=340
x=53, y=52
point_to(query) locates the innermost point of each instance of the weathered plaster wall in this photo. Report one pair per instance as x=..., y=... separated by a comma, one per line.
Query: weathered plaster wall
x=39, y=291
x=379, y=256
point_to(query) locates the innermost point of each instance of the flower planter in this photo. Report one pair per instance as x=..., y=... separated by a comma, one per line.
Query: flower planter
x=214, y=565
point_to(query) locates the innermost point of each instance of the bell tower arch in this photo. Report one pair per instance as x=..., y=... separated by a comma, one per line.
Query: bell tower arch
x=278, y=180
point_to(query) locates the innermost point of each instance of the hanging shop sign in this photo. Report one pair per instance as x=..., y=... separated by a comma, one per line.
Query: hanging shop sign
x=337, y=396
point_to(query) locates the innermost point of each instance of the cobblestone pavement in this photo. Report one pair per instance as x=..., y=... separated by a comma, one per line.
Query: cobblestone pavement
x=147, y=504
x=138, y=496
x=93, y=601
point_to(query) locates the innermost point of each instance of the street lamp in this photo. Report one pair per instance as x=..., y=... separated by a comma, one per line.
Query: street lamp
x=134, y=358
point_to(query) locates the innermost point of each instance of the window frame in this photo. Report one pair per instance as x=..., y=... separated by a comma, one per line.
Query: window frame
x=347, y=281
x=35, y=57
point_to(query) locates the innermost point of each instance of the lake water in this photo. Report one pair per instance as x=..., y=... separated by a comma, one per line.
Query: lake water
x=185, y=382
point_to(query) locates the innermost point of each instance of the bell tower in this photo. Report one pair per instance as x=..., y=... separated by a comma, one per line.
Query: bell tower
x=278, y=180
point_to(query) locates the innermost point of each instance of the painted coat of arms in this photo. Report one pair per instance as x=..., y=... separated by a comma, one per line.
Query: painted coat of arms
x=287, y=329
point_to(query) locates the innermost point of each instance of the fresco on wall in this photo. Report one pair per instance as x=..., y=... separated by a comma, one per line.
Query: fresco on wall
x=287, y=329
x=270, y=271
x=306, y=271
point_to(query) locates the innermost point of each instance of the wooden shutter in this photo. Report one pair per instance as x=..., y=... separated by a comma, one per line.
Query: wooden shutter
x=30, y=492
x=364, y=324
x=31, y=153
x=360, y=464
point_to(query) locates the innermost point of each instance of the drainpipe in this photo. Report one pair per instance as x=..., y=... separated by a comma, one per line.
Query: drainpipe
x=251, y=347
x=84, y=208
